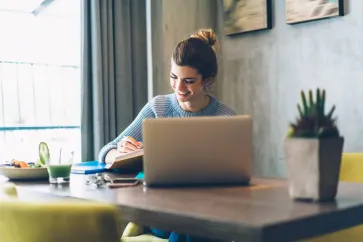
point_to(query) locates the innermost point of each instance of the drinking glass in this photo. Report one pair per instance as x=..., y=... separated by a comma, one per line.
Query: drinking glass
x=59, y=167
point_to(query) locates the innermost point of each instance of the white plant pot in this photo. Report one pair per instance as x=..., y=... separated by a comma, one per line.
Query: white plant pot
x=313, y=167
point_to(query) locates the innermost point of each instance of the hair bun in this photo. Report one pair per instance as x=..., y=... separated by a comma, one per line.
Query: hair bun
x=208, y=36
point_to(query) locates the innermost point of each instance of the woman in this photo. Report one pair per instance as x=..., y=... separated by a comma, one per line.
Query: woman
x=193, y=70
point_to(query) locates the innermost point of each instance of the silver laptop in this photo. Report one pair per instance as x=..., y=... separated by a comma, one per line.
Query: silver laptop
x=197, y=150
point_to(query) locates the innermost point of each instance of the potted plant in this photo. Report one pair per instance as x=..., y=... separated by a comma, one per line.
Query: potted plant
x=313, y=150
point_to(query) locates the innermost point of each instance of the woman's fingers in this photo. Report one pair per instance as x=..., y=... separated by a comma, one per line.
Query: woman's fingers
x=128, y=144
x=124, y=146
x=132, y=141
x=125, y=150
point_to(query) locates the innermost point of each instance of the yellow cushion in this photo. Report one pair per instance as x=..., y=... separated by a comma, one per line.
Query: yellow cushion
x=352, y=167
x=57, y=222
x=62, y=221
x=354, y=234
x=143, y=238
x=134, y=233
x=351, y=171
x=132, y=229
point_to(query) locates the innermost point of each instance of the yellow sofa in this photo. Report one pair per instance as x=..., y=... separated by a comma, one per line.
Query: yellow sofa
x=59, y=221
x=351, y=171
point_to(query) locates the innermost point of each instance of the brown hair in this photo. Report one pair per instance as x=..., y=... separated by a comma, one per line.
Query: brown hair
x=198, y=51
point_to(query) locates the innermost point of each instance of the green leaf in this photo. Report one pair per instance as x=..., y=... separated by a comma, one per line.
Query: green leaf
x=318, y=102
x=300, y=111
x=323, y=102
x=305, y=106
x=330, y=114
x=311, y=102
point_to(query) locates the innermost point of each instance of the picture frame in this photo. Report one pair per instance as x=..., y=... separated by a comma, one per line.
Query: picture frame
x=242, y=16
x=301, y=11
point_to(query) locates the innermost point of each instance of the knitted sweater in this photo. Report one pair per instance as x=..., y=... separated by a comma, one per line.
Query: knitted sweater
x=164, y=106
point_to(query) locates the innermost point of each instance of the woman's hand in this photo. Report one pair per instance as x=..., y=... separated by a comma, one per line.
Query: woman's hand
x=128, y=144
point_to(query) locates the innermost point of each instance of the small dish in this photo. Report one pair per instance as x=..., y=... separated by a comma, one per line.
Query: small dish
x=14, y=173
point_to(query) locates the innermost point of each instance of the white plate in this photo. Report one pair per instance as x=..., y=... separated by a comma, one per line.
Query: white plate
x=14, y=173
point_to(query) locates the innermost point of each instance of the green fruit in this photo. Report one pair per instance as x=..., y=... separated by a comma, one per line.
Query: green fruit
x=38, y=163
x=44, y=155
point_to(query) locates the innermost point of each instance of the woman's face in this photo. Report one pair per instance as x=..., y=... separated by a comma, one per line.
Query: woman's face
x=186, y=82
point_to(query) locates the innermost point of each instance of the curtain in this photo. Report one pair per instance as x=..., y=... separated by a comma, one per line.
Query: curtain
x=114, y=70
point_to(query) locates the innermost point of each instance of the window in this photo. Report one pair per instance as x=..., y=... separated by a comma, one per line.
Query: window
x=39, y=77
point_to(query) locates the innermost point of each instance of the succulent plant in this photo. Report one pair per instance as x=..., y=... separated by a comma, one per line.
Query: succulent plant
x=312, y=121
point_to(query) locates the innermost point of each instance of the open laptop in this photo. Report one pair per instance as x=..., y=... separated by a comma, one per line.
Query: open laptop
x=197, y=150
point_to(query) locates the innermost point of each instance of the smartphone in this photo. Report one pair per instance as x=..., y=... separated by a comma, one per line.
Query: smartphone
x=123, y=182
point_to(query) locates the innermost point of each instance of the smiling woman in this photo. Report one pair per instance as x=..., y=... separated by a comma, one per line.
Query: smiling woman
x=193, y=70
x=187, y=84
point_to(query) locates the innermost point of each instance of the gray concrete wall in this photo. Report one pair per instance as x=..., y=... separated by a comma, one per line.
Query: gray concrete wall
x=264, y=72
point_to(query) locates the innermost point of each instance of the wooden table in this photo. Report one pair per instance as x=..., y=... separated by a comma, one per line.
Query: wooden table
x=262, y=212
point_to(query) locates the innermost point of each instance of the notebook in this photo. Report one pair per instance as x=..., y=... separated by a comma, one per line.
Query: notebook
x=88, y=167
x=129, y=161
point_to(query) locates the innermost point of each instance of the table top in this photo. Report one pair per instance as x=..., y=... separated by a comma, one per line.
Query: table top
x=261, y=212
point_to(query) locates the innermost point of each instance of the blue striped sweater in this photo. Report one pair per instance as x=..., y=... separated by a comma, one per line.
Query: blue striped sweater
x=164, y=106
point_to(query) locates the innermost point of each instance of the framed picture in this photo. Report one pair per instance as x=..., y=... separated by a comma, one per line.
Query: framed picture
x=241, y=16
x=298, y=11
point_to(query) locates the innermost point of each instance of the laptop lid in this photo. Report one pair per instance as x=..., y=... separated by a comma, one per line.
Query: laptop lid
x=197, y=150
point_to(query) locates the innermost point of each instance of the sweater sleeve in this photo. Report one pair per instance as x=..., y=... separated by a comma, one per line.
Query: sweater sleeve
x=134, y=130
x=224, y=110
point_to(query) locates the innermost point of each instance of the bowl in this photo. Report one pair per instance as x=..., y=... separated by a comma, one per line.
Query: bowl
x=14, y=173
